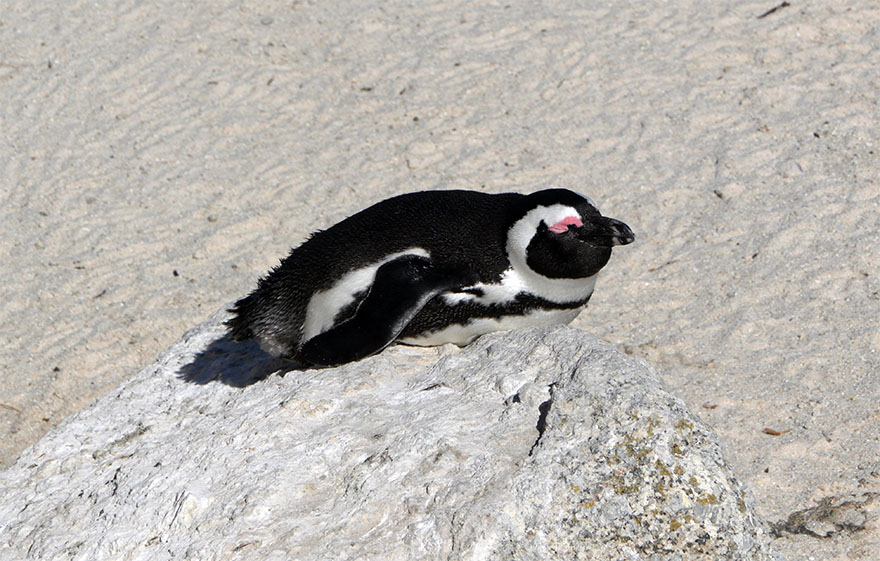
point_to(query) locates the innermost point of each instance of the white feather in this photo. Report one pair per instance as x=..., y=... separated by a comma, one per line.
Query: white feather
x=324, y=305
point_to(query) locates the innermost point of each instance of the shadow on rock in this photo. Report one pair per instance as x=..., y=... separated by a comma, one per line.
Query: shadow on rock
x=233, y=363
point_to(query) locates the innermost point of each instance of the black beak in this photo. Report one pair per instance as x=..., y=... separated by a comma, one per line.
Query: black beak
x=606, y=232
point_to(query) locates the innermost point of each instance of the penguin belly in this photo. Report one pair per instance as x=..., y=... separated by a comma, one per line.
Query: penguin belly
x=464, y=333
x=510, y=303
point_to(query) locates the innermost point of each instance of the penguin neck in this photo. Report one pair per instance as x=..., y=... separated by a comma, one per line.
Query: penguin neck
x=558, y=291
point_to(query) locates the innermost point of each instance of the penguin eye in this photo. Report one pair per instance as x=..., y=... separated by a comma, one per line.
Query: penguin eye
x=562, y=226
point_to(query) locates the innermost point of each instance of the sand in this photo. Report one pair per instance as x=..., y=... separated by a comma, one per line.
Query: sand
x=157, y=158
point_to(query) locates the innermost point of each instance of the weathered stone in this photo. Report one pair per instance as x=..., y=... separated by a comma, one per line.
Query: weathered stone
x=534, y=444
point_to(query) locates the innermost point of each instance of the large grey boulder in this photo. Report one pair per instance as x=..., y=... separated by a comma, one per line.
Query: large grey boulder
x=534, y=444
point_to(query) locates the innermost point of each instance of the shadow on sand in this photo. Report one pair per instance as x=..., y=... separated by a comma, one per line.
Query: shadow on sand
x=233, y=363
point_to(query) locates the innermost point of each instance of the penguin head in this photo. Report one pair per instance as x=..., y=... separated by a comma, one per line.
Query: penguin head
x=561, y=235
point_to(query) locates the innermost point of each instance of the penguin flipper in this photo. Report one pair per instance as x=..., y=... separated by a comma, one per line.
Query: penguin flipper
x=399, y=291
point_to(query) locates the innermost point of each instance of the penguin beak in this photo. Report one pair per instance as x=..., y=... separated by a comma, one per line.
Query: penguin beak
x=606, y=232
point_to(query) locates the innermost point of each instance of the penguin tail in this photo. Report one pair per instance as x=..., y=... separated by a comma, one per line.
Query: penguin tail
x=240, y=323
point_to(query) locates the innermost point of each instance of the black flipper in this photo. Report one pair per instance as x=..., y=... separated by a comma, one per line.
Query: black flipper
x=400, y=290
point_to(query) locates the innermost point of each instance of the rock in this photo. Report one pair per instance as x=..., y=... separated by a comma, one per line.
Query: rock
x=530, y=445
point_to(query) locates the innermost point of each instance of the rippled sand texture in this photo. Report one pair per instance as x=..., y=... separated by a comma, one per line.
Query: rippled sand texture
x=156, y=158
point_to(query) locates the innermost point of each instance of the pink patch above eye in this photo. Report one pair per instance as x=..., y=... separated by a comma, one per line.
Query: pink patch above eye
x=562, y=225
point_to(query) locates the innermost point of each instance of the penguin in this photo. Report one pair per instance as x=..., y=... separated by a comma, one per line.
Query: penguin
x=429, y=268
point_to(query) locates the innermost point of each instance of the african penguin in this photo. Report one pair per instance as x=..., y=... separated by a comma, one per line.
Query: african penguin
x=429, y=268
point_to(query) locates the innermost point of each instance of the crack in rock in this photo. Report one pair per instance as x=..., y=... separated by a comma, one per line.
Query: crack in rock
x=543, y=410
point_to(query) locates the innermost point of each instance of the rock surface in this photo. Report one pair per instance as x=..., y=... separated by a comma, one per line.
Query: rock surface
x=533, y=444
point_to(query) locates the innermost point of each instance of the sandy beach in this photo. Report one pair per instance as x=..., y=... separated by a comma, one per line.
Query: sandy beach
x=157, y=158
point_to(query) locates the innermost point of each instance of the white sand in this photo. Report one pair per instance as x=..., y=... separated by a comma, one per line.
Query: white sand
x=138, y=139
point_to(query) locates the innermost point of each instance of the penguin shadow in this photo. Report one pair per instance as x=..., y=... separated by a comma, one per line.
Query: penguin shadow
x=234, y=363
